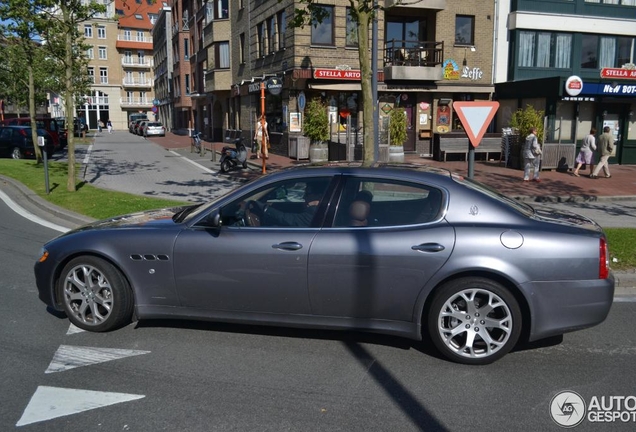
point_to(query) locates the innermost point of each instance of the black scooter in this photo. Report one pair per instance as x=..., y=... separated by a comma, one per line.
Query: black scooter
x=233, y=156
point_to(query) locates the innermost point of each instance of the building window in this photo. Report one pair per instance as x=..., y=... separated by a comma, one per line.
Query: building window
x=140, y=36
x=614, y=2
x=88, y=30
x=187, y=84
x=186, y=49
x=102, y=53
x=139, y=17
x=141, y=57
x=90, y=53
x=153, y=18
x=103, y=75
x=545, y=50
x=282, y=28
x=589, y=52
x=615, y=51
x=351, y=37
x=127, y=35
x=464, y=30
x=222, y=55
x=220, y=9
x=322, y=33
x=242, y=48
x=260, y=34
x=91, y=75
x=101, y=32
x=273, y=37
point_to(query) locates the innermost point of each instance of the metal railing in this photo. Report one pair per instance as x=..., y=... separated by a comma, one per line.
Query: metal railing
x=135, y=101
x=132, y=62
x=413, y=53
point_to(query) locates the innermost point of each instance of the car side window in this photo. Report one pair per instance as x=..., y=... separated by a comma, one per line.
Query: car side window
x=290, y=203
x=381, y=203
x=5, y=133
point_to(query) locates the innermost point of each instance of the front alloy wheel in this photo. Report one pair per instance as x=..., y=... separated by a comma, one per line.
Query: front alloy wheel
x=16, y=153
x=95, y=294
x=474, y=321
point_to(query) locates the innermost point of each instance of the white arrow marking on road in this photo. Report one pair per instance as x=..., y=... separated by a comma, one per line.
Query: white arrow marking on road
x=52, y=402
x=73, y=329
x=71, y=357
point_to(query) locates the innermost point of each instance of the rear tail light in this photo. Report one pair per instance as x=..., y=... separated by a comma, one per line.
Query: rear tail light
x=603, y=265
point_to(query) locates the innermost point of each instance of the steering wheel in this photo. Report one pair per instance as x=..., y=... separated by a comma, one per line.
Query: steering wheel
x=252, y=214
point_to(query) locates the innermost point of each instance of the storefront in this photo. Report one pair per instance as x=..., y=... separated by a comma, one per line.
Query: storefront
x=573, y=106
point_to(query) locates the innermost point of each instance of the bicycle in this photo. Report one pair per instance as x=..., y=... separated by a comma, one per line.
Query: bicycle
x=196, y=143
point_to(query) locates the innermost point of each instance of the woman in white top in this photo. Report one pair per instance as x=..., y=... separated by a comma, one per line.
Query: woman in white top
x=586, y=154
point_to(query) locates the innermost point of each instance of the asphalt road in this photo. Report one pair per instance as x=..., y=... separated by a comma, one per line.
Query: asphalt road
x=189, y=376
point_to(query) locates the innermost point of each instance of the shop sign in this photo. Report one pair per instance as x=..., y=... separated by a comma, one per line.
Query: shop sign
x=472, y=73
x=618, y=73
x=254, y=87
x=609, y=89
x=353, y=75
x=274, y=85
x=573, y=85
x=450, y=70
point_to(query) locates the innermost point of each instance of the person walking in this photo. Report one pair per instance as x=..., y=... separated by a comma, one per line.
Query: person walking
x=109, y=125
x=532, y=156
x=100, y=126
x=586, y=154
x=262, y=138
x=606, y=145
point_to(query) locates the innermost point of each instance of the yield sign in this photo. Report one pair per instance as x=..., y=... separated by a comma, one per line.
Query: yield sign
x=475, y=117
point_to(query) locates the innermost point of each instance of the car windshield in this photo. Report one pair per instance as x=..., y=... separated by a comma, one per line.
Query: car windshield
x=495, y=194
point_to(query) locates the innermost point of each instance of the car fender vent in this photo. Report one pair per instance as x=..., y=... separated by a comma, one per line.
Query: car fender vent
x=136, y=257
x=149, y=257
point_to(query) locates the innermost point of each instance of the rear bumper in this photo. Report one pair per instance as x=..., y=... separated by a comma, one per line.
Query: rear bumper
x=565, y=306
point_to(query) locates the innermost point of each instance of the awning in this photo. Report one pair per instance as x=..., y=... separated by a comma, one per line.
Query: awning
x=336, y=87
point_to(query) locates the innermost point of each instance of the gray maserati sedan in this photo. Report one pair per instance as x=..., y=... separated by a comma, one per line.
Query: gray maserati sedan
x=415, y=252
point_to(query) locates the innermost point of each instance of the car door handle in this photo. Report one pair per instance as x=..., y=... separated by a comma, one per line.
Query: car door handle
x=290, y=246
x=428, y=247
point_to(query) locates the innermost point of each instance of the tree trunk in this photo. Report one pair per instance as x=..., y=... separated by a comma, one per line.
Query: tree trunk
x=368, y=104
x=69, y=101
x=34, y=127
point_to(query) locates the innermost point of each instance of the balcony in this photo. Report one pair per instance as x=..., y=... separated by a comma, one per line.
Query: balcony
x=133, y=42
x=136, y=83
x=136, y=63
x=413, y=60
x=135, y=102
x=422, y=4
x=131, y=38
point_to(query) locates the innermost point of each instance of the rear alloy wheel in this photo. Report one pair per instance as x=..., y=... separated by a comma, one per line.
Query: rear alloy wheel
x=96, y=296
x=474, y=321
x=16, y=153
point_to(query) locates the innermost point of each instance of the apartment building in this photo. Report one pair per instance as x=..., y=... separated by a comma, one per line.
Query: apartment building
x=430, y=53
x=183, y=14
x=163, y=67
x=575, y=60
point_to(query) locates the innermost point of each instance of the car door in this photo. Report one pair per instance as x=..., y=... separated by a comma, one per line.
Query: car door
x=376, y=265
x=248, y=268
x=5, y=140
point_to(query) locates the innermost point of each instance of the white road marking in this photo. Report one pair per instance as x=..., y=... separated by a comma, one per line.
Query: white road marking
x=73, y=329
x=625, y=299
x=28, y=215
x=70, y=357
x=88, y=154
x=208, y=170
x=48, y=403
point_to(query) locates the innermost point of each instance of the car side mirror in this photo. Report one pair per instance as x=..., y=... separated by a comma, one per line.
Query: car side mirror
x=214, y=219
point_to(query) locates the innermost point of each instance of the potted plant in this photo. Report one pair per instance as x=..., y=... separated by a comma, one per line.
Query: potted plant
x=397, y=134
x=316, y=128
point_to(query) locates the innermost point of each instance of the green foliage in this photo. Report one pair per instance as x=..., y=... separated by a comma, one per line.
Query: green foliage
x=622, y=247
x=525, y=119
x=316, y=124
x=397, y=126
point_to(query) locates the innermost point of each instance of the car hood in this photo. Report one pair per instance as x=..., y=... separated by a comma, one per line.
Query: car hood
x=565, y=217
x=150, y=218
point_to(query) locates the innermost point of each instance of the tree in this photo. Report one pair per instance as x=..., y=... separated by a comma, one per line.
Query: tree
x=525, y=119
x=362, y=13
x=397, y=126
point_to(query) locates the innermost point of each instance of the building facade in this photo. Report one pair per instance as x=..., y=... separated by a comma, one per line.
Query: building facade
x=430, y=53
x=574, y=60
x=163, y=67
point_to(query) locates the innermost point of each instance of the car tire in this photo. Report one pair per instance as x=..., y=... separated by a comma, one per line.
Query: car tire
x=16, y=153
x=244, y=164
x=459, y=316
x=225, y=166
x=96, y=296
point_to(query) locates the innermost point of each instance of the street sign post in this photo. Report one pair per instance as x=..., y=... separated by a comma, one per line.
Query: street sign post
x=475, y=117
x=42, y=145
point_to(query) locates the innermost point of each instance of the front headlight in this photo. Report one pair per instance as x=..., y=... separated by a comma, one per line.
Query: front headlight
x=44, y=254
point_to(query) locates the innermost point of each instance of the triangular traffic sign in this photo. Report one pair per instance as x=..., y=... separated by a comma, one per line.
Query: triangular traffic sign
x=48, y=403
x=475, y=117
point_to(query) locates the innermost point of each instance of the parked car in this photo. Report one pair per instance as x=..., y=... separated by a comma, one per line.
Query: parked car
x=408, y=251
x=79, y=125
x=133, y=119
x=58, y=135
x=136, y=124
x=17, y=141
x=153, y=129
x=140, y=127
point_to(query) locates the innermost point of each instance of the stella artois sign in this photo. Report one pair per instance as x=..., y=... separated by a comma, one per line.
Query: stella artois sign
x=337, y=74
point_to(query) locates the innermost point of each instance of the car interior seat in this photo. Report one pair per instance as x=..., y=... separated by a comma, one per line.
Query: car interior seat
x=358, y=212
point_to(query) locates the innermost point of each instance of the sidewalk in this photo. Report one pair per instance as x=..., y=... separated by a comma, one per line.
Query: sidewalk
x=554, y=186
